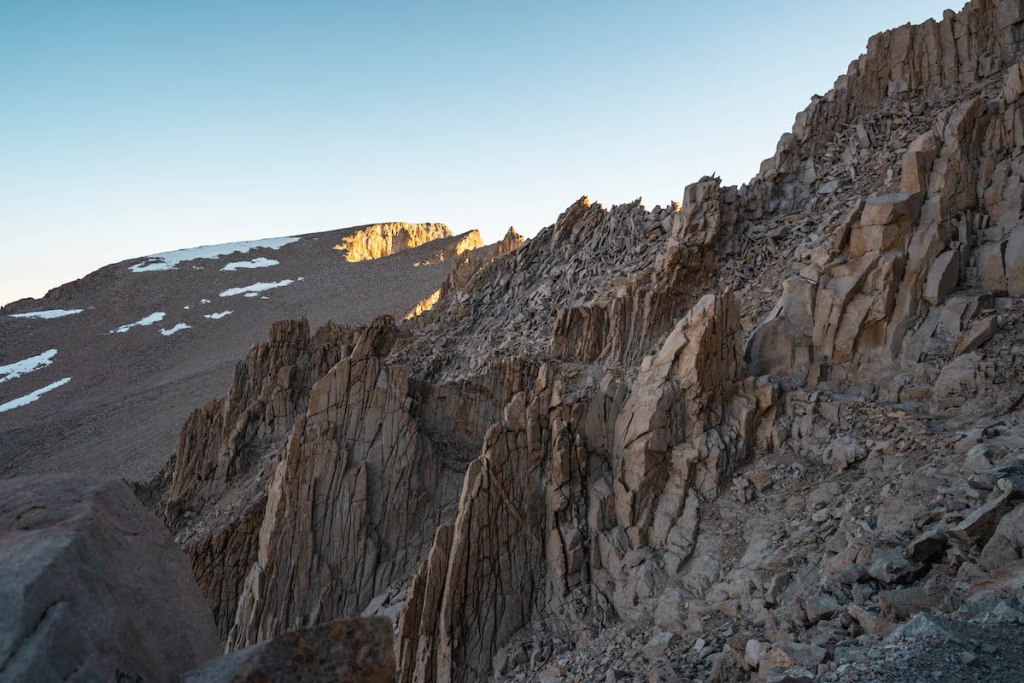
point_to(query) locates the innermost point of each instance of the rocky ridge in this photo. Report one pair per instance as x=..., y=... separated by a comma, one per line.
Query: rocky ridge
x=749, y=434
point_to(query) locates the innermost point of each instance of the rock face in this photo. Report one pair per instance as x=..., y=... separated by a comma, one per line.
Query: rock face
x=385, y=239
x=343, y=651
x=93, y=587
x=750, y=433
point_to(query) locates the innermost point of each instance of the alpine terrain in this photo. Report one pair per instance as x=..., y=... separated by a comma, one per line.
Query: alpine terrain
x=765, y=433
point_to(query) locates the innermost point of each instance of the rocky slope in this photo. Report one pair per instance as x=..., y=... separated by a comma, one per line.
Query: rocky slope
x=747, y=434
x=131, y=348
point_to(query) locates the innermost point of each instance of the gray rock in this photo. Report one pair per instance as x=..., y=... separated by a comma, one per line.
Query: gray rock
x=821, y=606
x=93, y=588
x=342, y=651
x=927, y=546
x=658, y=645
x=979, y=526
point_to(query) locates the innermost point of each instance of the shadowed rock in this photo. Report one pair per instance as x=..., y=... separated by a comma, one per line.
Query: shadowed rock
x=92, y=588
x=343, y=651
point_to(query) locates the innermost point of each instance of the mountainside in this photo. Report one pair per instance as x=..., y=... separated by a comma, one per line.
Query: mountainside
x=752, y=431
x=773, y=432
x=98, y=375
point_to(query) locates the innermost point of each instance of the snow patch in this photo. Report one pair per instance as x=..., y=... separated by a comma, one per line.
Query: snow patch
x=171, y=330
x=48, y=315
x=218, y=316
x=255, y=263
x=23, y=367
x=148, y=320
x=34, y=396
x=254, y=290
x=204, y=301
x=169, y=260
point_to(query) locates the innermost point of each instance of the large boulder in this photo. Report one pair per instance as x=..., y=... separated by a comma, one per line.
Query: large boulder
x=93, y=588
x=342, y=651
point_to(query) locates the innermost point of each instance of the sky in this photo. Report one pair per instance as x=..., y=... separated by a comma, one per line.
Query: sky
x=128, y=128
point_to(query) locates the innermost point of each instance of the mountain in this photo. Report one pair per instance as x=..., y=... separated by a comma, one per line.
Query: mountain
x=771, y=432
x=98, y=375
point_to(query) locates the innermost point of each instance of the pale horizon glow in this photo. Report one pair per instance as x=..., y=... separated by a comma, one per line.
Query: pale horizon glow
x=139, y=128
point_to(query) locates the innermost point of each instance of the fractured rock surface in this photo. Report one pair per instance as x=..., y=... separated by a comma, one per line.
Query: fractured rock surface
x=759, y=432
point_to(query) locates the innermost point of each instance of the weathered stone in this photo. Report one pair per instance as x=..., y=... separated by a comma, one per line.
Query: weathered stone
x=942, y=277
x=979, y=526
x=787, y=654
x=385, y=239
x=1007, y=542
x=843, y=452
x=977, y=334
x=343, y=651
x=928, y=546
x=658, y=645
x=991, y=267
x=1014, y=262
x=903, y=603
x=872, y=624
x=93, y=587
x=821, y=606
x=891, y=208
x=753, y=652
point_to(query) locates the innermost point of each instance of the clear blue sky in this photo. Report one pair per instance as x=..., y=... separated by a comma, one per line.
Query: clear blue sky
x=131, y=127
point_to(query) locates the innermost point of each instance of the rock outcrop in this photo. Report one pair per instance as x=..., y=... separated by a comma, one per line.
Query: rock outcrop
x=749, y=433
x=384, y=239
x=93, y=587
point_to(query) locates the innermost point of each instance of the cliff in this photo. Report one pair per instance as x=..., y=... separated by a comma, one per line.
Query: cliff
x=752, y=431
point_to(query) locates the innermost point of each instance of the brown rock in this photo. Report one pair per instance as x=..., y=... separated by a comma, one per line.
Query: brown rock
x=942, y=277
x=977, y=334
x=872, y=624
x=891, y=208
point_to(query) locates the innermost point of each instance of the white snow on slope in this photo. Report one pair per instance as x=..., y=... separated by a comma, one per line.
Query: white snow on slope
x=23, y=367
x=253, y=290
x=218, y=316
x=169, y=260
x=255, y=263
x=34, y=396
x=148, y=320
x=204, y=301
x=167, y=332
x=47, y=315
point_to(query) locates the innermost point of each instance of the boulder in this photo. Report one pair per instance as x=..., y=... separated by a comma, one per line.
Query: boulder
x=991, y=268
x=341, y=651
x=843, y=452
x=977, y=334
x=1007, y=543
x=917, y=163
x=1014, y=262
x=903, y=207
x=928, y=546
x=93, y=588
x=942, y=277
x=872, y=623
x=979, y=526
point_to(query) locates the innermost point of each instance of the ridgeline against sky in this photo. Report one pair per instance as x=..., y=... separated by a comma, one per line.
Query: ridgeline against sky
x=140, y=128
